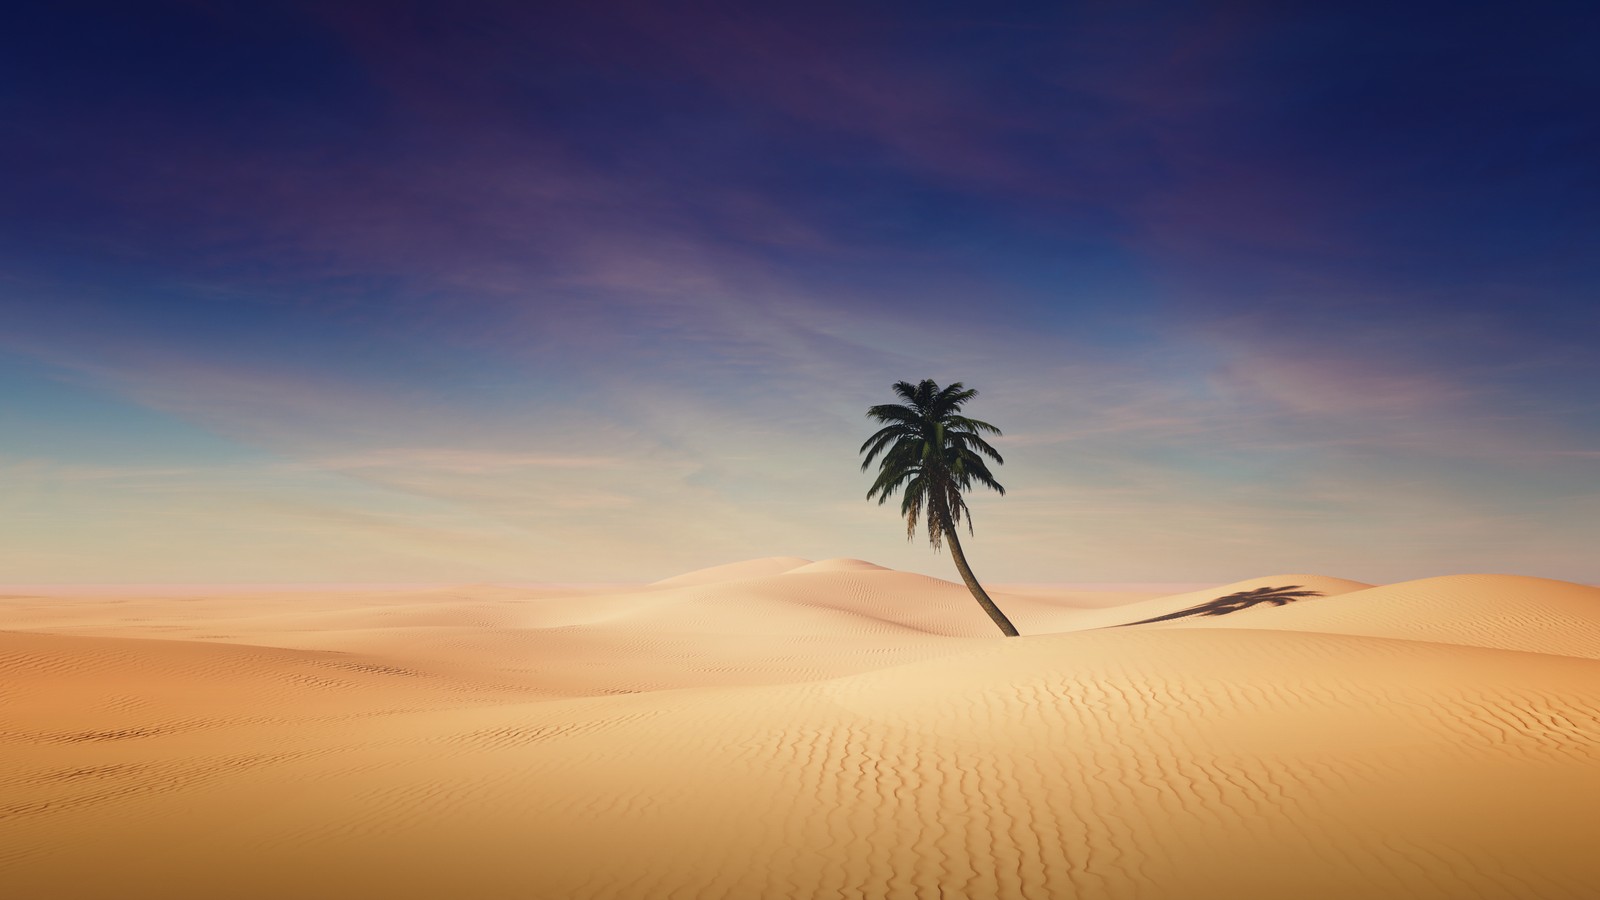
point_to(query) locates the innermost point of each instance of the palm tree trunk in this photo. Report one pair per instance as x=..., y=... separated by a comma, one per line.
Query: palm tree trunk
x=1006, y=628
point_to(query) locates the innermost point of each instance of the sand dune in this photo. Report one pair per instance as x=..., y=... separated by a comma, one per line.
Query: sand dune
x=1176, y=603
x=783, y=728
x=1505, y=611
x=839, y=564
x=750, y=568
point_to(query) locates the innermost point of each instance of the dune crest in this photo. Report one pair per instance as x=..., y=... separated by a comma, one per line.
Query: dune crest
x=749, y=568
x=839, y=564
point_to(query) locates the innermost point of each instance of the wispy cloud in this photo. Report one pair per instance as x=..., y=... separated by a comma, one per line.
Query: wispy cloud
x=456, y=461
x=609, y=287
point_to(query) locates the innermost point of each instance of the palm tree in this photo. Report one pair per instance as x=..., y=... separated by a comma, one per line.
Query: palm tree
x=932, y=453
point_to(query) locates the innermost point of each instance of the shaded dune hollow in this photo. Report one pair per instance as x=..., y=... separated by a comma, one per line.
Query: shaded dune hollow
x=784, y=727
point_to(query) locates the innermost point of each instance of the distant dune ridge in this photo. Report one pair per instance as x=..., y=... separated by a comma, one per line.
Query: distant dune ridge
x=787, y=728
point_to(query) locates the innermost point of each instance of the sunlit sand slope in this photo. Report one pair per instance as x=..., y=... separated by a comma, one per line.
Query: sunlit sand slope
x=836, y=731
x=1505, y=611
x=839, y=564
x=1176, y=604
x=750, y=568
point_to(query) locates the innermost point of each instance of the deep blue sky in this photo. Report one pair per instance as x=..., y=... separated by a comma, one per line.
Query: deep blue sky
x=478, y=290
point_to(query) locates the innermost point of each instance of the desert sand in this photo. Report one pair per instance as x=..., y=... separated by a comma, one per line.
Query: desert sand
x=789, y=728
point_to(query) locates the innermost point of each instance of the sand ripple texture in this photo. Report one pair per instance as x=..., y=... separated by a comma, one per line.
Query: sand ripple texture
x=786, y=728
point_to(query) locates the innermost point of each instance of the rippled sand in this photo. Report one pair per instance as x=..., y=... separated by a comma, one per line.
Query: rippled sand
x=781, y=728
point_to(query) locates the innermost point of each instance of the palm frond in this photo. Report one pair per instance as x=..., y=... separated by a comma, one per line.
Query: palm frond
x=981, y=474
x=929, y=454
x=889, y=481
x=883, y=440
x=955, y=504
x=894, y=412
x=964, y=439
x=916, y=394
x=949, y=400
x=973, y=424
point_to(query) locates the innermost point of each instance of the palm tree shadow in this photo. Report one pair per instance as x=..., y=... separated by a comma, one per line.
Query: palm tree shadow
x=1277, y=596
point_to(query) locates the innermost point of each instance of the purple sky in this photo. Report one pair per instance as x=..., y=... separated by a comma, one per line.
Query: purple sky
x=478, y=291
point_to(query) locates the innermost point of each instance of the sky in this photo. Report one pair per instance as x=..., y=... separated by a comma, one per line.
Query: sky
x=499, y=291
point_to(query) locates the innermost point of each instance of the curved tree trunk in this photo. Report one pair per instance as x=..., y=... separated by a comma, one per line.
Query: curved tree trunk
x=1006, y=628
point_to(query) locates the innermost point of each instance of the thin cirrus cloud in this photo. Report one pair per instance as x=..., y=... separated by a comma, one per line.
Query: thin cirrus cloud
x=461, y=461
x=698, y=469
x=602, y=293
